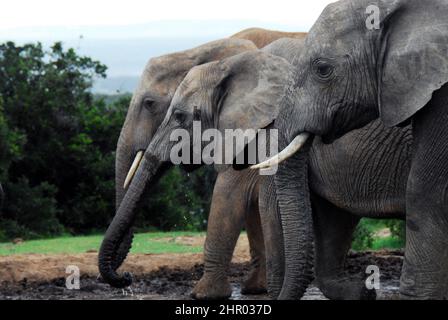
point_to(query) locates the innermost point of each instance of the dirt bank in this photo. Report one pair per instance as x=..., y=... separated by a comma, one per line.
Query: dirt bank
x=164, y=276
x=46, y=267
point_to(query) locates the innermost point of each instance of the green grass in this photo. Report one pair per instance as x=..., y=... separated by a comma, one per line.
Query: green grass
x=153, y=242
x=160, y=242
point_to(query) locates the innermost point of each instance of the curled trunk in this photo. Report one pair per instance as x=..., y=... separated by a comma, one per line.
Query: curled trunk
x=123, y=162
x=294, y=202
x=121, y=225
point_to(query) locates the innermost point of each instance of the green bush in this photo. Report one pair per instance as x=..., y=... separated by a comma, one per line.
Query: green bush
x=180, y=201
x=365, y=234
x=57, y=151
x=32, y=211
x=362, y=237
x=397, y=228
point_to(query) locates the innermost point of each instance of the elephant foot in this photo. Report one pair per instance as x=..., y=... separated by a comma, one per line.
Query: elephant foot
x=255, y=283
x=212, y=288
x=343, y=288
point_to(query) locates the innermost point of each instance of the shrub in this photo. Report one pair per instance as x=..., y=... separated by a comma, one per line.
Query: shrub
x=362, y=237
x=57, y=151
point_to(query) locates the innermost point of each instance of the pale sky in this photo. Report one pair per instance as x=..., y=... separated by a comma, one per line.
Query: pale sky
x=124, y=34
x=72, y=13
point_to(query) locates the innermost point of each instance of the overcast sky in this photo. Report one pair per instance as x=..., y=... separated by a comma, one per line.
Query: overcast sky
x=124, y=34
x=74, y=13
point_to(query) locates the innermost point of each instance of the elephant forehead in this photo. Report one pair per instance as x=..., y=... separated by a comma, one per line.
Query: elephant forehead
x=163, y=74
x=336, y=23
x=201, y=79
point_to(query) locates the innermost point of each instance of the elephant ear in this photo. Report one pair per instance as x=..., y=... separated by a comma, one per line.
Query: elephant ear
x=414, y=56
x=249, y=94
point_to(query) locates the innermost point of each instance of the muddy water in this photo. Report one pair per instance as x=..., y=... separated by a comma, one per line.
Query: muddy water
x=176, y=283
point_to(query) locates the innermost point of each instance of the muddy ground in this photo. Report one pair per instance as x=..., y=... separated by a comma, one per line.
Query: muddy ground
x=159, y=281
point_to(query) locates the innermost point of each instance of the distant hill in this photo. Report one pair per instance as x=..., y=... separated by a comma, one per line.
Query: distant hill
x=126, y=49
x=110, y=99
x=115, y=85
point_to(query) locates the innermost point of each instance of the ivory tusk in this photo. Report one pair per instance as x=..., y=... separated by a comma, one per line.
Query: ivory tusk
x=286, y=153
x=134, y=167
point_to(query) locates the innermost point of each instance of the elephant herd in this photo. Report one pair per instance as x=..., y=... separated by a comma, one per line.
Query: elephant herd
x=362, y=132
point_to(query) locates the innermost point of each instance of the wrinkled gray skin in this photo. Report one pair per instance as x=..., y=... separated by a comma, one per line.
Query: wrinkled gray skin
x=363, y=174
x=238, y=196
x=251, y=102
x=160, y=79
x=347, y=76
x=252, y=112
x=148, y=108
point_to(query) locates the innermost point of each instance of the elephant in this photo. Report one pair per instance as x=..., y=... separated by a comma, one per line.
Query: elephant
x=252, y=197
x=233, y=94
x=238, y=191
x=263, y=37
x=148, y=107
x=334, y=168
x=351, y=72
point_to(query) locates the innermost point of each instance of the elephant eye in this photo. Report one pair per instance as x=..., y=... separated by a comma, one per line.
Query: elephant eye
x=323, y=69
x=147, y=104
x=180, y=116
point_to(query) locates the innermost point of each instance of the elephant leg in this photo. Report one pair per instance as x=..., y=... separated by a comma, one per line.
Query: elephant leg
x=425, y=268
x=225, y=222
x=333, y=228
x=256, y=281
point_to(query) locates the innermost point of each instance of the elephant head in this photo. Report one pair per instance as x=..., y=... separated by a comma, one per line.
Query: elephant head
x=239, y=92
x=362, y=60
x=160, y=79
x=147, y=109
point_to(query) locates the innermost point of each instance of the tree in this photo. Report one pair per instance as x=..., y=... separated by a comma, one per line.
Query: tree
x=46, y=136
x=57, y=151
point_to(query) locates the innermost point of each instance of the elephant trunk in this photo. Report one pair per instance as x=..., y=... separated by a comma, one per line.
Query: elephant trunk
x=123, y=160
x=273, y=236
x=121, y=225
x=294, y=202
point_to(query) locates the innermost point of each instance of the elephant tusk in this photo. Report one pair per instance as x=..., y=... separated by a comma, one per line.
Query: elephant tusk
x=286, y=153
x=134, y=167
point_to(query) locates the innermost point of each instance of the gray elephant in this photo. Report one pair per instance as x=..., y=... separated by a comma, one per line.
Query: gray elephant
x=122, y=221
x=234, y=94
x=349, y=74
x=148, y=108
x=335, y=168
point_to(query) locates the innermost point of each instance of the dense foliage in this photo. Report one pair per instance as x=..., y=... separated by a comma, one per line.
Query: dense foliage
x=57, y=151
x=377, y=234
